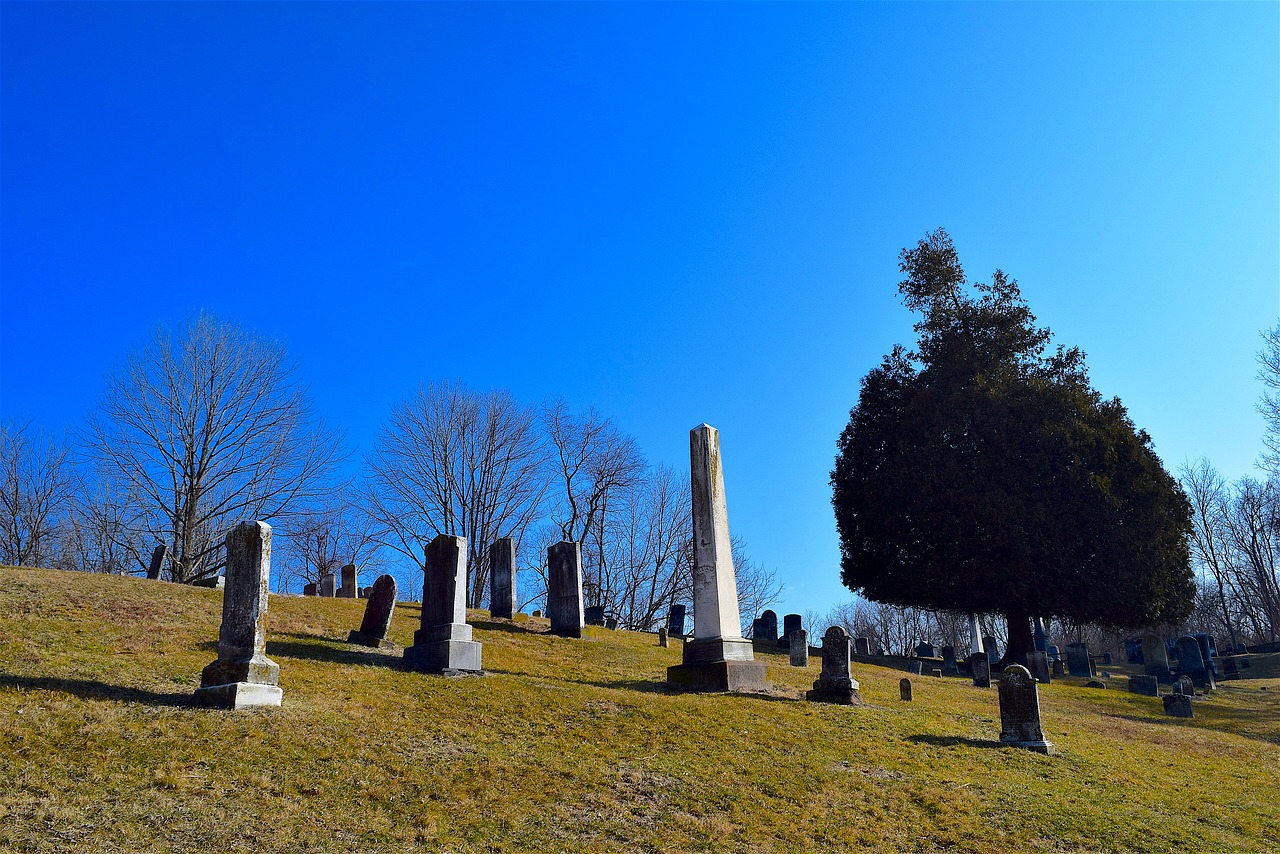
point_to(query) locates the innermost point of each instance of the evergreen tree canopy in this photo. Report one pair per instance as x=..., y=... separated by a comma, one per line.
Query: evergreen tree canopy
x=983, y=473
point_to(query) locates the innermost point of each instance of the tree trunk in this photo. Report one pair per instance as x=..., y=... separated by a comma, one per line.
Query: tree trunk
x=1020, y=640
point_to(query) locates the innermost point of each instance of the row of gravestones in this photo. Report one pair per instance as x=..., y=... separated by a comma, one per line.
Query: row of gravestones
x=350, y=589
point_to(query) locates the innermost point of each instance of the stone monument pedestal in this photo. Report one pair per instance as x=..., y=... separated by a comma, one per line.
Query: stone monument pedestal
x=446, y=649
x=239, y=695
x=720, y=676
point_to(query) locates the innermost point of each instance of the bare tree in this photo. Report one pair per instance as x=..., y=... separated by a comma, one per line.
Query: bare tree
x=454, y=461
x=35, y=483
x=758, y=586
x=1209, y=494
x=1269, y=406
x=207, y=426
x=327, y=535
x=102, y=530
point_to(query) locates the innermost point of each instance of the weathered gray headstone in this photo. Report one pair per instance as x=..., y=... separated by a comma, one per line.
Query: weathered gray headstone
x=1038, y=665
x=1078, y=662
x=1189, y=658
x=309, y=589
x=980, y=666
x=157, y=562
x=664, y=638
x=1229, y=668
x=1094, y=683
x=718, y=658
x=915, y=666
x=992, y=646
x=1184, y=685
x=444, y=642
x=675, y=621
x=1020, y=711
x=502, y=578
x=835, y=684
x=949, y=661
x=1058, y=667
x=377, y=614
x=1148, y=686
x=350, y=585
x=799, y=647
x=790, y=623
x=904, y=688
x=327, y=584
x=768, y=626
x=1155, y=656
x=564, y=589
x=611, y=623
x=243, y=676
x=862, y=646
x=1178, y=705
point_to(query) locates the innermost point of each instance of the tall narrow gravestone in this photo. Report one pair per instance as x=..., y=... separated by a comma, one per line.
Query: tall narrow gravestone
x=1078, y=662
x=377, y=614
x=502, y=578
x=835, y=684
x=675, y=621
x=862, y=646
x=664, y=637
x=790, y=623
x=443, y=644
x=718, y=658
x=768, y=624
x=1020, y=711
x=799, y=648
x=980, y=665
x=350, y=588
x=564, y=589
x=949, y=661
x=1038, y=665
x=992, y=646
x=1191, y=664
x=904, y=689
x=243, y=676
x=1155, y=656
x=157, y=562
x=327, y=584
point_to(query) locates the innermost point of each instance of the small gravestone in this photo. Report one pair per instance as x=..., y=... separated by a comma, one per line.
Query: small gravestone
x=799, y=648
x=1094, y=683
x=663, y=638
x=1244, y=664
x=611, y=623
x=757, y=629
x=502, y=578
x=309, y=589
x=790, y=623
x=980, y=666
x=1038, y=666
x=157, y=562
x=243, y=676
x=1020, y=711
x=444, y=642
x=904, y=688
x=992, y=646
x=937, y=672
x=593, y=615
x=350, y=586
x=1192, y=664
x=835, y=684
x=377, y=614
x=1229, y=668
x=1155, y=656
x=537, y=614
x=675, y=621
x=768, y=627
x=862, y=646
x=1078, y=661
x=1147, y=686
x=1178, y=705
x=327, y=587
x=925, y=650
x=564, y=589
x=949, y=661
x=915, y=666
x=1058, y=667
x=1184, y=685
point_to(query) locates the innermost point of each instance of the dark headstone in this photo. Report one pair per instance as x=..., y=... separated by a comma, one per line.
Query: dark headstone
x=790, y=623
x=1020, y=711
x=1078, y=663
x=1178, y=705
x=327, y=584
x=757, y=629
x=1040, y=636
x=157, y=562
x=243, y=676
x=925, y=650
x=377, y=614
x=862, y=646
x=1148, y=686
x=836, y=683
x=1058, y=667
x=904, y=689
x=992, y=646
x=444, y=642
x=980, y=666
x=768, y=627
x=1094, y=683
x=564, y=589
x=1155, y=656
x=502, y=578
x=350, y=586
x=1229, y=668
x=593, y=615
x=1206, y=653
x=675, y=621
x=309, y=589
x=1184, y=685
x=799, y=647
x=949, y=661
x=1038, y=666
x=664, y=637
x=915, y=666
x=611, y=623
x=936, y=672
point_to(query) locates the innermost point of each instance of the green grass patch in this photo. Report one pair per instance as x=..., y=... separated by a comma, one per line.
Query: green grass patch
x=569, y=745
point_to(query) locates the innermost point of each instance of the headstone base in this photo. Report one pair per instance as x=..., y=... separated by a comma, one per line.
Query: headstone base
x=359, y=637
x=567, y=631
x=1178, y=706
x=1045, y=747
x=238, y=695
x=444, y=656
x=711, y=650
x=258, y=670
x=835, y=694
x=733, y=676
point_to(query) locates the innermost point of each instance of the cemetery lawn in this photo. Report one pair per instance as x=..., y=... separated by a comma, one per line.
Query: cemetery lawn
x=568, y=745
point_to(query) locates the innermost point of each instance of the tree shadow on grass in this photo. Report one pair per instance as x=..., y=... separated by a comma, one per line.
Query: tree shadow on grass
x=954, y=741
x=90, y=689
x=312, y=648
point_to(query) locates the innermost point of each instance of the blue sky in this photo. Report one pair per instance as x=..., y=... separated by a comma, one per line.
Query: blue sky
x=675, y=212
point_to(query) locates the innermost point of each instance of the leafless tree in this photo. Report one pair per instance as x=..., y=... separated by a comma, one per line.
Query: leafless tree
x=454, y=461
x=35, y=482
x=103, y=528
x=208, y=427
x=327, y=535
x=1269, y=406
x=1208, y=493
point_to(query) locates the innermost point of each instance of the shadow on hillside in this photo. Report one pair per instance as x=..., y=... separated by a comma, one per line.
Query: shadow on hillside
x=1210, y=717
x=505, y=626
x=89, y=689
x=953, y=741
x=312, y=648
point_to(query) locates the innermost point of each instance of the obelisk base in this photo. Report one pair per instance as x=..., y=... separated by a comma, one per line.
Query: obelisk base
x=239, y=695
x=736, y=676
x=449, y=657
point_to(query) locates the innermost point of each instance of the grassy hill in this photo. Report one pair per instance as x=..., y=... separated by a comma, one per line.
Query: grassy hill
x=569, y=745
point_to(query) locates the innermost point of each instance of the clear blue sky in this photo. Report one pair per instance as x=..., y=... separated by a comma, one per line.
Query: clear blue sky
x=677, y=213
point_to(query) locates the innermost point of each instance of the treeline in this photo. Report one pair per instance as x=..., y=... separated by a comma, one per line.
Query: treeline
x=207, y=425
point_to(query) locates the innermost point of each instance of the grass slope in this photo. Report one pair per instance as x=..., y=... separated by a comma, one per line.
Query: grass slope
x=569, y=745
